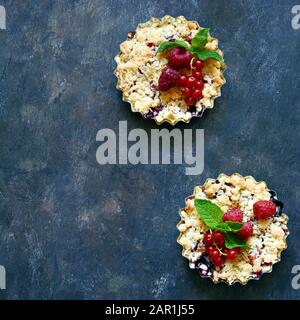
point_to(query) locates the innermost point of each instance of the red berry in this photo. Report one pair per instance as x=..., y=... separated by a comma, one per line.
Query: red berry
x=183, y=80
x=189, y=101
x=208, y=239
x=198, y=64
x=199, y=85
x=231, y=254
x=179, y=58
x=168, y=79
x=186, y=92
x=210, y=249
x=214, y=254
x=264, y=209
x=215, y=257
x=197, y=75
x=235, y=214
x=218, y=238
x=246, y=231
x=191, y=81
x=218, y=261
x=197, y=94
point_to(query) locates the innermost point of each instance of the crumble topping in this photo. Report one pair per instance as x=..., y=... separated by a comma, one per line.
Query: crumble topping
x=139, y=68
x=266, y=243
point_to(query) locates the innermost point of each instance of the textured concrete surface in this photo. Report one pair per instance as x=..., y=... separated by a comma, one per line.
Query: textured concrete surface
x=70, y=228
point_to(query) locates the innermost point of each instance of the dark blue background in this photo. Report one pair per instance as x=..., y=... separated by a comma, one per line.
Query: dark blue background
x=70, y=228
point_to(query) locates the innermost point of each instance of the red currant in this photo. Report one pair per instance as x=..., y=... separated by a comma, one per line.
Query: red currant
x=197, y=75
x=191, y=81
x=186, y=92
x=231, y=254
x=199, y=85
x=214, y=254
x=218, y=261
x=218, y=238
x=183, y=80
x=197, y=94
x=210, y=249
x=198, y=64
x=216, y=258
x=208, y=239
x=189, y=101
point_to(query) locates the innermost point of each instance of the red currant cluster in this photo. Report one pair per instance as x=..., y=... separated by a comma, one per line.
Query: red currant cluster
x=215, y=247
x=193, y=85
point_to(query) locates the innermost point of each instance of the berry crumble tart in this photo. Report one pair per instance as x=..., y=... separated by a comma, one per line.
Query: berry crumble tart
x=232, y=229
x=170, y=69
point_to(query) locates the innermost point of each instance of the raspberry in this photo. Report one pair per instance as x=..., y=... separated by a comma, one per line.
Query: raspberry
x=179, y=58
x=264, y=209
x=168, y=79
x=246, y=231
x=235, y=214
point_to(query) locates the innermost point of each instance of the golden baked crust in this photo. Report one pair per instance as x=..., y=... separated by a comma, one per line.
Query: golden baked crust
x=139, y=68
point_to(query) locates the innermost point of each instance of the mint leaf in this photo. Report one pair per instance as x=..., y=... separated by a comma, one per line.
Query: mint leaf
x=210, y=213
x=200, y=39
x=206, y=54
x=232, y=241
x=234, y=226
x=172, y=44
x=229, y=226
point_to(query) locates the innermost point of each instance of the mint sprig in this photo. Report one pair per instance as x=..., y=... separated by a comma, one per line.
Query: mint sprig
x=211, y=215
x=197, y=48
